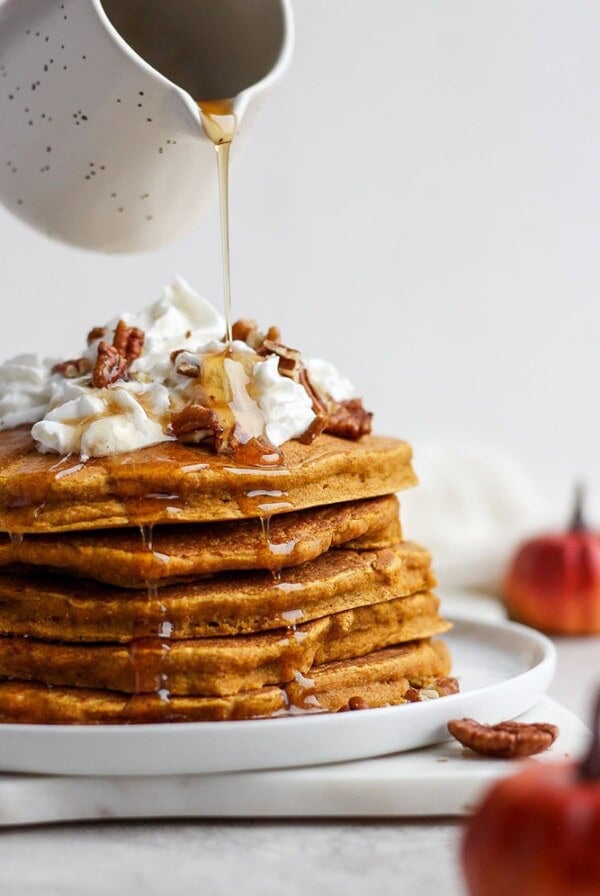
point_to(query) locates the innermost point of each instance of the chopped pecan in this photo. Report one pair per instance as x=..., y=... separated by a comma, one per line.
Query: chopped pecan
x=110, y=366
x=273, y=334
x=506, y=740
x=412, y=695
x=319, y=407
x=290, y=359
x=247, y=331
x=95, y=334
x=189, y=365
x=446, y=686
x=195, y=419
x=73, y=368
x=319, y=401
x=349, y=420
x=129, y=341
x=357, y=703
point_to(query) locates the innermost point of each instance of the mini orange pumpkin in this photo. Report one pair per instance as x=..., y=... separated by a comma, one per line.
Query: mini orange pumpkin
x=553, y=581
x=537, y=833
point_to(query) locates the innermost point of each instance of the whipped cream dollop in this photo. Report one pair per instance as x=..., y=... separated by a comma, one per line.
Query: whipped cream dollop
x=70, y=416
x=286, y=404
x=25, y=390
x=94, y=424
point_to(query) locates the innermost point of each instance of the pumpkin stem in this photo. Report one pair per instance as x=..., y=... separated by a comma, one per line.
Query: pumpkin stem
x=589, y=769
x=577, y=521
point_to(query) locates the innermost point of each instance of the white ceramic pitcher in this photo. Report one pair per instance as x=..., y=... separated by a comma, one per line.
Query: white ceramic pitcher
x=100, y=149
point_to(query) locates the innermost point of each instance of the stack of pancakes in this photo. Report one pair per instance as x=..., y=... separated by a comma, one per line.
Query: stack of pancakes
x=174, y=584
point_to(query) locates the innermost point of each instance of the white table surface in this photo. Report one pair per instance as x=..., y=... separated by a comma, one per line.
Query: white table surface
x=323, y=858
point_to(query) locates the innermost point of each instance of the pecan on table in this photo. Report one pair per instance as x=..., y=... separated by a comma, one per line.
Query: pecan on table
x=110, y=366
x=506, y=740
x=349, y=420
x=74, y=368
x=129, y=341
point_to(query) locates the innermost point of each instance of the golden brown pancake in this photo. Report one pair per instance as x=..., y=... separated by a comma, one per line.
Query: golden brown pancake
x=176, y=483
x=381, y=678
x=123, y=557
x=222, y=666
x=45, y=606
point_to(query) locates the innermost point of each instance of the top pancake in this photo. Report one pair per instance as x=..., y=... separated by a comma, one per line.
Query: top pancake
x=173, y=483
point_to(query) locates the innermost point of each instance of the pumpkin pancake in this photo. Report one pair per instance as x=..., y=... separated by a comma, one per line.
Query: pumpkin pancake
x=381, y=679
x=176, y=483
x=45, y=606
x=222, y=666
x=122, y=557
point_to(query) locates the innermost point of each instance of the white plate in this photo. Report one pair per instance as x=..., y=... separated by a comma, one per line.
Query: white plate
x=503, y=669
x=442, y=779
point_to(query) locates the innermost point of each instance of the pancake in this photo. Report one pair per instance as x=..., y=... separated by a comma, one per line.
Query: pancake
x=380, y=679
x=122, y=557
x=222, y=666
x=176, y=483
x=52, y=607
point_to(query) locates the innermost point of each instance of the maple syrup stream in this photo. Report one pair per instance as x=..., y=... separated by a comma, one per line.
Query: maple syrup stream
x=149, y=649
x=220, y=125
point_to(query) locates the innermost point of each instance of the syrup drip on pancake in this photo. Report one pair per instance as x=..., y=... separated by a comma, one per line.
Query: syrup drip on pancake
x=146, y=533
x=150, y=646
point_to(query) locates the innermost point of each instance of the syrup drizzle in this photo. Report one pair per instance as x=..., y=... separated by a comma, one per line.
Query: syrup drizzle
x=220, y=125
x=149, y=650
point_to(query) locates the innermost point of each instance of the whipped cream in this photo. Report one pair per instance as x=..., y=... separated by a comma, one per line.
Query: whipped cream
x=286, y=405
x=324, y=376
x=25, y=390
x=102, y=422
x=71, y=417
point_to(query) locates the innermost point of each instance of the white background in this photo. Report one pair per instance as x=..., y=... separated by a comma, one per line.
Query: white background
x=419, y=202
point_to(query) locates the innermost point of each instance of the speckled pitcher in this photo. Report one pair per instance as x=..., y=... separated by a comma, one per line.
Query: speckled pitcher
x=100, y=149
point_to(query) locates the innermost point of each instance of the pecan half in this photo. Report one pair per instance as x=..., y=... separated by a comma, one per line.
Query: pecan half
x=349, y=420
x=95, y=334
x=506, y=740
x=74, y=368
x=197, y=422
x=247, y=331
x=110, y=366
x=129, y=341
